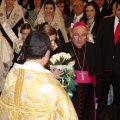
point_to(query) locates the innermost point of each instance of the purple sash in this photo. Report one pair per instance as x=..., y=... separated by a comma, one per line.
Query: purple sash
x=83, y=77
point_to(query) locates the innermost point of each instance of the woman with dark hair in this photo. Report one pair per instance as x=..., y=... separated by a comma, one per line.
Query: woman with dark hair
x=92, y=18
x=31, y=14
x=51, y=14
x=31, y=92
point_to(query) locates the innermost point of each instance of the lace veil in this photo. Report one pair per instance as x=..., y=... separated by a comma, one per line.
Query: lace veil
x=6, y=57
x=17, y=9
x=58, y=19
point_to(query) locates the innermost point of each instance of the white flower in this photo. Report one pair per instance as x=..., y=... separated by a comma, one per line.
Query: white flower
x=56, y=57
x=68, y=56
x=65, y=55
x=52, y=60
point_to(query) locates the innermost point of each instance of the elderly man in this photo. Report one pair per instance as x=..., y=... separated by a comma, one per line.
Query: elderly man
x=88, y=67
x=78, y=7
x=31, y=92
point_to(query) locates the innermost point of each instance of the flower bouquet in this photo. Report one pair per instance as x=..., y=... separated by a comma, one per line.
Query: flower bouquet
x=64, y=61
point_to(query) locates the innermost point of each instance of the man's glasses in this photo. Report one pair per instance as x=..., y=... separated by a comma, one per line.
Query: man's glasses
x=78, y=36
x=76, y=6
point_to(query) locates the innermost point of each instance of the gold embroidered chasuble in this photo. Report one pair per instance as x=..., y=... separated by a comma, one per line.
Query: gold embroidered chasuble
x=34, y=94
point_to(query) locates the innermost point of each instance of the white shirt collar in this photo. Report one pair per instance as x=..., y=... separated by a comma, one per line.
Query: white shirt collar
x=100, y=9
x=116, y=23
x=78, y=17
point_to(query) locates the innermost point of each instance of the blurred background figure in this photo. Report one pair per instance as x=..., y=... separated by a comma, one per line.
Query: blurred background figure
x=105, y=7
x=109, y=4
x=113, y=10
x=69, y=7
x=25, y=5
x=32, y=14
x=61, y=5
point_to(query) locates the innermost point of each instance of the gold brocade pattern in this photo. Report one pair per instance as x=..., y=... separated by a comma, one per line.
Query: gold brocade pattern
x=28, y=95
x=18, y=89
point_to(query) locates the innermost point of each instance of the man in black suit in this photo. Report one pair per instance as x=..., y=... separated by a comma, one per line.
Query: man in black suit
x=109, y=4
x=78, y=7
x=102, y=7
x=111, y=53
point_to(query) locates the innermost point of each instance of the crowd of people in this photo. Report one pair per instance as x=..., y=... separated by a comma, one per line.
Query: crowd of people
x=33, y=30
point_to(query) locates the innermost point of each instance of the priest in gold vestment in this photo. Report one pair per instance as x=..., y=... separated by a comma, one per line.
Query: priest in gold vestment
x=31, y=92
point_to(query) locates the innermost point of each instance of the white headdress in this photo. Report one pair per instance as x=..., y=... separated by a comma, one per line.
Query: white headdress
x=58, y=20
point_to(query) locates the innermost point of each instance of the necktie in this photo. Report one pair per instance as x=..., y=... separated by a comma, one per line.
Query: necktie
x=117, y=33
x=75, y=19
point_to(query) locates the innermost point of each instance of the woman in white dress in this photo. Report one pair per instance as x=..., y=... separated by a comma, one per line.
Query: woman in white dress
x=11, y=17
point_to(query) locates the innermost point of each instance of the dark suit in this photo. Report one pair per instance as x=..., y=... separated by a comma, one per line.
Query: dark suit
x=109, y=7
x=111, y=55
x=103, y=12
x=68, y=12
x=69, y=20
x=95, y=29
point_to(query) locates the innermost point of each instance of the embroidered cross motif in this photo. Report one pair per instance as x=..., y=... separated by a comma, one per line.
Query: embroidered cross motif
x=82, y=74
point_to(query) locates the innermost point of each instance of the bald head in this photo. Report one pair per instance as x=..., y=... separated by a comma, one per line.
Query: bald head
x=79, y=35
